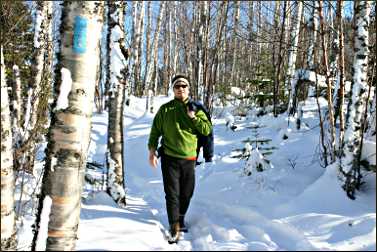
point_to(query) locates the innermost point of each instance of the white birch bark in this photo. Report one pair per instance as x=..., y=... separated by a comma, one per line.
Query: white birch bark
x=313, y=28
x=71, y=121
x=175, y=51
x=42, y=38
x=288, y=22
x=350, y=165
x=292, y=61
x=166, y=78
x=192, y=46
x=8, y=240
x=250, y=29
x=371, y=131
x=16, y=121
x=236, y=17
x=154, y=56
x=148, y=47
x=207, y=86
x=138, y=45
x=131, y=64
x=200, y=54
x=170, y=45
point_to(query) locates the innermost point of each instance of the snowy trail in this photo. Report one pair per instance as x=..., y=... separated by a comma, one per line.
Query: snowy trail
x=245, y=229
x=219, y=217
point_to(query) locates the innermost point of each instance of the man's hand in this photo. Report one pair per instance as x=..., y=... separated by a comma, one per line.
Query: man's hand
x=153, y=158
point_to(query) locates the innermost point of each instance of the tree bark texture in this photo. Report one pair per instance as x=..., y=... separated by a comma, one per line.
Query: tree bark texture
x=330, y=117
x=71, y=122
x=40, y=66
x=340, y=94
x=8, y=241
x=117, y=74
x=292, y=61
x=356, y=106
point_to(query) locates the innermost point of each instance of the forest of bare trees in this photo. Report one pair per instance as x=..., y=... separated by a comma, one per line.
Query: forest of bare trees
x=62, y=60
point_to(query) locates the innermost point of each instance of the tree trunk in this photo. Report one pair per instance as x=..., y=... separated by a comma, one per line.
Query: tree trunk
x=40, y=69
x=69, y=133
x=154, y=55
x=147, y=49
x=16, y=90
x=41, y=81
x=250, y=24
x=216, y=55
x=236, y=17
x=8, y=235
x=330, y=116
x=340, y=94
x=137, y=49
x=292, y=61
x=280, y=53
x=117, y=77
x=313, y=28
x=350, y=165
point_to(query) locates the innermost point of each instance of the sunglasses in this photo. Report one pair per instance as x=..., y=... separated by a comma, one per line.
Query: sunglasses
x=180, y=86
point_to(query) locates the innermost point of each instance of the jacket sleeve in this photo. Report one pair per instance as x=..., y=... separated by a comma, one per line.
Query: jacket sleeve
x=156, y=130
x=202, y=124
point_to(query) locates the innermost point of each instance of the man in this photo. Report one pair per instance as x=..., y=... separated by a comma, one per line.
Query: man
x=178, y=126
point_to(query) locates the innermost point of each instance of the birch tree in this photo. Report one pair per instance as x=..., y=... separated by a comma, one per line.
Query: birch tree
x=147, y=47
x=200, y=46
x=117, y=78
x=292, y=62
x=166, y=47
x=16, y=93
x=41, y=81
x=350, y=162
x=236, y=17
x=154, y=55
x=138, y=49
x=42, y=38
x=69, y=133
x=8, y=232
x=313, y=25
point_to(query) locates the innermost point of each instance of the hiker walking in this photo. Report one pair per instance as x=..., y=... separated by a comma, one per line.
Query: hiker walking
x=178, y=126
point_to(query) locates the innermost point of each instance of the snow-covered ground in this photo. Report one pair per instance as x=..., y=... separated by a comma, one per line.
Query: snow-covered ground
x=295, y=204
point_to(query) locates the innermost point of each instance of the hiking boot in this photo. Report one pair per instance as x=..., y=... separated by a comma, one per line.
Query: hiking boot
x=182, y=226
x=174, y=232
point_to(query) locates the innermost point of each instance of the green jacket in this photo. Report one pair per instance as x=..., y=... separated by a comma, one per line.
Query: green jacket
x=178, y=130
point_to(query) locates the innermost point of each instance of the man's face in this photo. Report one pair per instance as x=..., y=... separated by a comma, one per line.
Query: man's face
x=181, y=90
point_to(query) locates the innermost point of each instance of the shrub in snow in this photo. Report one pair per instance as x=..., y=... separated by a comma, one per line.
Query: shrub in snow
x=255, y=161
x=229, y=121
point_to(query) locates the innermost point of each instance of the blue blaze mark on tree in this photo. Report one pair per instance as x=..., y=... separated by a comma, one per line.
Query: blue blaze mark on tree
x=80, y=30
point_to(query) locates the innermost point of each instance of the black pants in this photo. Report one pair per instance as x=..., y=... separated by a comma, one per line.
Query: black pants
x=179, y=182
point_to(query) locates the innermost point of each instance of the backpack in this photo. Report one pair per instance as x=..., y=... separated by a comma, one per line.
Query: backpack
x=207, y=142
